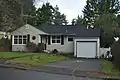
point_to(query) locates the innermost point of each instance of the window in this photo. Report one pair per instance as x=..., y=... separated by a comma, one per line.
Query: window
x=19, y=39
x=70, y=39
x=56, y=39
x=33, y=38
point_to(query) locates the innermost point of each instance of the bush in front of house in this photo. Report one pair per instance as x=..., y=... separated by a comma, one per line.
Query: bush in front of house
x=115, y=49
x=41, y=47
x=31, y=47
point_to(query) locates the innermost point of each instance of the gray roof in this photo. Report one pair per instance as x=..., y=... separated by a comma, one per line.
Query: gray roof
x=77, y=30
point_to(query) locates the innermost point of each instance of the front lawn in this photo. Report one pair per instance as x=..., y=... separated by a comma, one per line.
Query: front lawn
x=108, y=67
x=12, y=54
x=38, y=59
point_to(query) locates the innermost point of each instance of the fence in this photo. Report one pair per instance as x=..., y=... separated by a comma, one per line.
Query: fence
x=104, y=50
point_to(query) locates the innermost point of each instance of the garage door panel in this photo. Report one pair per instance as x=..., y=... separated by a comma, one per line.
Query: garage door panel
x=86, y=49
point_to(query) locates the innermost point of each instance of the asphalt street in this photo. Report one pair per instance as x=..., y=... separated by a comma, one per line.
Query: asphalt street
x=15, y=74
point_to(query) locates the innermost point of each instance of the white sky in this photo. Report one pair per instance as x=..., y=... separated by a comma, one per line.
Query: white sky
x=71, y=8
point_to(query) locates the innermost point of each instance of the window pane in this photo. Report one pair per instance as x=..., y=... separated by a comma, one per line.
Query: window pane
x=58, y=41
x=15, y=41
x=15, y=37
x=24, y=36
x=24, y=41
x=53, y=41
x=58, y=37
x=70, y=39
x=20, y=37
x=53, y=37
x=20, y=41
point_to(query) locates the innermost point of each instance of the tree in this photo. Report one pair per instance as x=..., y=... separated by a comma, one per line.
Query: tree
x=31, y=17
x=44, y=14
x=11, y=13
x=58, y=18
x=90, y=11
x=78, y=20
x=51, y=15
x=108, y=22
x=95, y=8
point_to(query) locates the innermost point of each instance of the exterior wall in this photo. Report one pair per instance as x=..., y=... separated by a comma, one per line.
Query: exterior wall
x=66, y=48
x=27, y=29
x=18, y=48
x=87, y=39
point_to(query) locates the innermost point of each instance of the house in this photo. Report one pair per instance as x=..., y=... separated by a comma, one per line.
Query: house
x=77, y=39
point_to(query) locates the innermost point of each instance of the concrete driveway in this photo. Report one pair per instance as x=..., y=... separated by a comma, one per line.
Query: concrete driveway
x=78, y=64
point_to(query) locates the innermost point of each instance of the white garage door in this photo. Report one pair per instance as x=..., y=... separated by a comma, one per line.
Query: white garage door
x=86, y=49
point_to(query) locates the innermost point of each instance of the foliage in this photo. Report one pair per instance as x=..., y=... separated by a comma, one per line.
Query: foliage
x=116, y=53
x=102, y=14
x=78, y=20
x=31, y=47
x=108, y=22
x=108, y=67
x=5, y=45
x=12, y=13
x=95, y=8
x=58, y=18
x=44, y=14
x=49, y=14
x=106, y=40
x=41, y=47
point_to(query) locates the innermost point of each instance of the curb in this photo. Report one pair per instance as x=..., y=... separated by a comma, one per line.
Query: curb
x=64, y=71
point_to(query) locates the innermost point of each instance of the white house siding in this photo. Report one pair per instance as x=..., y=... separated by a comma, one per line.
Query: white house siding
x=87, y=39
x=18, y=48
x=66, y=48
x=27, y=29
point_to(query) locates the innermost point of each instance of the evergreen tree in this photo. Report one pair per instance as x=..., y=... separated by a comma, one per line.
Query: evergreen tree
x=48, y=14
x=44, y=14
x=11, y=13
x=95, y=8
x=58, y=18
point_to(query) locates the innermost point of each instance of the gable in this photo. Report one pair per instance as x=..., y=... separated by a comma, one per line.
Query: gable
x=27, y=29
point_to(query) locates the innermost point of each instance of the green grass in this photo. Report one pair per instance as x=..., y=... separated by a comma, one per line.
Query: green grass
x=12, y=54
x=108, y=67
x=39, y=59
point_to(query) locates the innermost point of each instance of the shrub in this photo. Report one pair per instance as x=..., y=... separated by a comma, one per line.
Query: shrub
x=31, y=47
x=115, y=49
x=41, y=47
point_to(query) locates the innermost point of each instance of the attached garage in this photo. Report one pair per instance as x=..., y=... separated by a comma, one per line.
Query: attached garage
x=86, y=48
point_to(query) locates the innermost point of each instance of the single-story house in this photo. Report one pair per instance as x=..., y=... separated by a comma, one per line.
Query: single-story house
x=77, y=39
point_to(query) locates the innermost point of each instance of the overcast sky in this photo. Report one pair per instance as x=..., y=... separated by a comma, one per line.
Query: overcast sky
x=71, y=8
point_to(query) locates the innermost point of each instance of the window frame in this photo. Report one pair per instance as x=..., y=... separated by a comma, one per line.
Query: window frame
x=24, y=37
x=57, y=39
